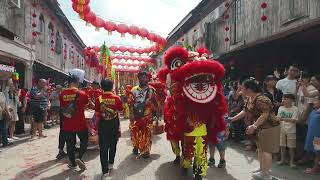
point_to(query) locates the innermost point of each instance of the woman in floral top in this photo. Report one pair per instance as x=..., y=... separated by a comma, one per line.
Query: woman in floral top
x=265, y=125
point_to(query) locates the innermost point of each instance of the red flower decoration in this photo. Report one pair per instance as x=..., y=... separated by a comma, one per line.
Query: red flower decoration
x=34, y=15
x=226, y=16
x=52, y=41
x=226, y=39
x=34, y=33
x=264, y=5
x=227, y=28
x=52, y=49
x=34, y=24
x=227, y=4
x=264, y=18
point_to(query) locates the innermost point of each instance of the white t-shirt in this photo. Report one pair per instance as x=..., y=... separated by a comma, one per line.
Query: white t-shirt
x=302, y=100
x=287, y=86
x=291, y=113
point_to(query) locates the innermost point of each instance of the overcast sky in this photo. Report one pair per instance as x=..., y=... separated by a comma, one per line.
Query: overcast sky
x=159, y=16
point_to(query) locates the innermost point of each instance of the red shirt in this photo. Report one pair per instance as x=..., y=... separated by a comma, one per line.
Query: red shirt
x=110, y=100
x=78, y=121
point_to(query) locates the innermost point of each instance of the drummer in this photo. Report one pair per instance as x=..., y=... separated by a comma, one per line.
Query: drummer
x=107, y=107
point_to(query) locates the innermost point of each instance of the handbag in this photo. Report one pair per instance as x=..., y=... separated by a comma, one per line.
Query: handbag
x=70, y=110
x=139, y=108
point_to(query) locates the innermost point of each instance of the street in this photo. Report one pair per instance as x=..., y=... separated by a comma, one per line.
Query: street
x=36, y=160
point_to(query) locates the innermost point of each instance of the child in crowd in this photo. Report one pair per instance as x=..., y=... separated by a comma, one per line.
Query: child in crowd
x=288, y=114
x=221, y=146
x=313, y=137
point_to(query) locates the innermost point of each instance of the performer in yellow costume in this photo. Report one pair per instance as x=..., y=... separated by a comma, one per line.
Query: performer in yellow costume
x=142, y=102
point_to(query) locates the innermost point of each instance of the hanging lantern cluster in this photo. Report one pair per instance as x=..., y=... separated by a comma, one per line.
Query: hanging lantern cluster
x=34, y=20
x=226, y=18
x=72, y=55
x=65, y=49
x=264, y=17
x=52, y=41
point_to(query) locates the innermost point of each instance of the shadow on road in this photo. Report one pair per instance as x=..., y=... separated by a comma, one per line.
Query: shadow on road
x=36, y=170
x=131, y=166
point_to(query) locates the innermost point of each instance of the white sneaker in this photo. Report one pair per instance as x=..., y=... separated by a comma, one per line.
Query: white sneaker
x=110, y=166
x=261, y=177
x=104, y=176
x=10, y=139
x=15, y=138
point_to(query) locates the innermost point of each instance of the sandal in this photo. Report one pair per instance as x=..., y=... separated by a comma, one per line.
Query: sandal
x=312, y=171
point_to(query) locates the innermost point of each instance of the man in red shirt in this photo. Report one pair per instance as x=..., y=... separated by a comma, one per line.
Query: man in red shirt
x=76, y=125
x=107, y=108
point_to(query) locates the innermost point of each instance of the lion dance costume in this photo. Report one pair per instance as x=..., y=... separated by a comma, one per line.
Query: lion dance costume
x=195, y=108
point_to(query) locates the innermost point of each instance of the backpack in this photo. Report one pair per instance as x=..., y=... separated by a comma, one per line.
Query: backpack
x=70, y=110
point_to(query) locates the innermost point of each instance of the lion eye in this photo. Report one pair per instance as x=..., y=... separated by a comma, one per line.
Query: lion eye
x=176, y=63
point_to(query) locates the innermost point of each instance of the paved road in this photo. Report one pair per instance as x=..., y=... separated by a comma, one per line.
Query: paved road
x=36, y=160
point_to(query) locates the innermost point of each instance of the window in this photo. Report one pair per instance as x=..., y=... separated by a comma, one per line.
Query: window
x=292, y=10
x=41, y=24
x=237, y=18
x=58, y=48
x=238, y=10
x=50, y=33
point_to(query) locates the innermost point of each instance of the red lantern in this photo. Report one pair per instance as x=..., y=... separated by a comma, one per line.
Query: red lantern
x=151, y=37
x=89, y=17
x=96, y=48
x=82, y=2
x=81, y=9
x=140, y=51
x=154, y=48
x=98, y=23
x=113, y=48
x=264, y=18
x=123, y=49
x=131, y=50
x=110, y=26
x=147, y=50
x=264, y=5
x=133, y=30
x=143, y=32
x=119, y=57
x=122, y=29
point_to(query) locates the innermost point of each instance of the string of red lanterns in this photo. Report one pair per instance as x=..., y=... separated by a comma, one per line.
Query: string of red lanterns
x=264, y=18
x=82, y=7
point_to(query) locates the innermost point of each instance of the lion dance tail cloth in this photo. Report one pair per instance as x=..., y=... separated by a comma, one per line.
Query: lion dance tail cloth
x=194, y=111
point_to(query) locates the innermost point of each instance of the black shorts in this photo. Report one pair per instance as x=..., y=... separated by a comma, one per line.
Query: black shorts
x=38, y=115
